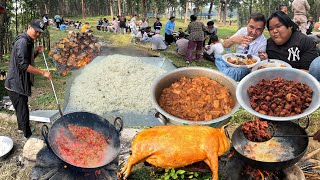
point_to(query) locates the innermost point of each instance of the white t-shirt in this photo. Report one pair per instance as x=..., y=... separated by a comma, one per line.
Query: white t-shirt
x=44, y=19
x=157, y=42
x=182, y=46
x=142, y=36
x=217, y=49
x=143, y=24
x=255, y=46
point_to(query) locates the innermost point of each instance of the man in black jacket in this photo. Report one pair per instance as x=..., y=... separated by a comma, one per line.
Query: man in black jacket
x=21, y=71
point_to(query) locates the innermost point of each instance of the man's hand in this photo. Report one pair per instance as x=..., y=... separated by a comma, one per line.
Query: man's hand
x=242, y=40
x=262, y=55
x=316, y=136
x=39, y=49
x=47, y=74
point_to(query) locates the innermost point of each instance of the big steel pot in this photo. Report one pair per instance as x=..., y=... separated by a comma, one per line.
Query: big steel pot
x=287, y=74
x=169, y=78
x=299, y=144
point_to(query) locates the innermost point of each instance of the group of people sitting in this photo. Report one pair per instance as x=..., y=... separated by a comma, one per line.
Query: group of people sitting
x=286, y=43
x=120, y=24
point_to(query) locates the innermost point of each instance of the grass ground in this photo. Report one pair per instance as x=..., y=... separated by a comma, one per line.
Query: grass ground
x=43, y=98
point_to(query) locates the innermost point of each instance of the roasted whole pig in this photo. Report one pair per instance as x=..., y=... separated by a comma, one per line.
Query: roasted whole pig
x=177, y=146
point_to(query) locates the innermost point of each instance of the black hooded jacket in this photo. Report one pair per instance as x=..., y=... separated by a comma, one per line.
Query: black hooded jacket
x=18, y=79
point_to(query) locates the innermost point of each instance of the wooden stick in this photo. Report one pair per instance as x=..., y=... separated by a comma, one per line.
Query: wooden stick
x=308, y=156
x=311, y=175
x=314, y=161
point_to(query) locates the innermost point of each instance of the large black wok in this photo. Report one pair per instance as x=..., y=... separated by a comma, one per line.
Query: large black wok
x=84, y=119
x=299, y=144
x=89, y=120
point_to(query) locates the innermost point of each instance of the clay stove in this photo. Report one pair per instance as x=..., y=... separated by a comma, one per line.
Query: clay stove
x=49, y=166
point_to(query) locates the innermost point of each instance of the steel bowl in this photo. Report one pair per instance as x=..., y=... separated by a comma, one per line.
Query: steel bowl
x=169, y=78
x=271, y=73
x=6, y=145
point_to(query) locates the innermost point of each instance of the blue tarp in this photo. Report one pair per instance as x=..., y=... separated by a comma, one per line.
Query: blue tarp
x=151, y=15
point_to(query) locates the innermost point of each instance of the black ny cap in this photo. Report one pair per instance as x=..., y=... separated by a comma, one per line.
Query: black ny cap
x=37, y=25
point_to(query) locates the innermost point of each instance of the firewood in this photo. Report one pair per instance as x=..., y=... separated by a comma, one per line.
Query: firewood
x=314, y=161
x=308, y=156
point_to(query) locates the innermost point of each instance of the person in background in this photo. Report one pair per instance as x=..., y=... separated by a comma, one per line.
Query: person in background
x=176, y=34
x=157, y=25
x=85, y=28
x=300, y=9
x=2, y=9
x=105, y=24
x=288, y=44
x=214, y=49
x=21, y=73
x=196, y=30
x=122, y=23
x=143, y=36
x=169, y=28
x=116, y=26
x=100, y=22
x=182, y=44
x=143, y=23
x=211, y=30
x=58, y=20
x=110, y=27
x=283, y=8
x=45, y=19
x=158, y=41
x=310, y=25
x=249, y=40
x=134, y=19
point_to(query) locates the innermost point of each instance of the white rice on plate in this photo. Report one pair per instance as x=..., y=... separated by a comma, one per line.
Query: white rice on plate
x=116, y=83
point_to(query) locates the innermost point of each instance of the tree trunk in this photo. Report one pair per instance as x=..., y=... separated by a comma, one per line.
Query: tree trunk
x=220, y=12
x=16, y=17
x=83, y=10
x=119, y=8
x=144, y=10
x=2, y=29
x=63, y=8
x=225, y=14
x=250, y=8
x=210, y=9
x=111, y=8
x=186, y=13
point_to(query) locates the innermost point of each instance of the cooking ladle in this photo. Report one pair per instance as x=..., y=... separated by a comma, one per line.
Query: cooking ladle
x=270, y=130
x=54, y=91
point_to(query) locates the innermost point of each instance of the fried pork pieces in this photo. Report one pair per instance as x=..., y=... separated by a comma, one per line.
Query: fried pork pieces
x=280, y=97
x=197, y=99
x=256, y=130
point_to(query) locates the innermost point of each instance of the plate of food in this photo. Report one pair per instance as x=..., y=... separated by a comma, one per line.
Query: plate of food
x=270, y=63
x=241, y=60
x=6, y=144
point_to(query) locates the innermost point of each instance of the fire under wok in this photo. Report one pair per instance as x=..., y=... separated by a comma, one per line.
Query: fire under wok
x=97, y=141
x=294, y=145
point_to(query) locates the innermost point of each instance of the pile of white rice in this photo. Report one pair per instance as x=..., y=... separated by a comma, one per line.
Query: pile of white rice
x=117, y=83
